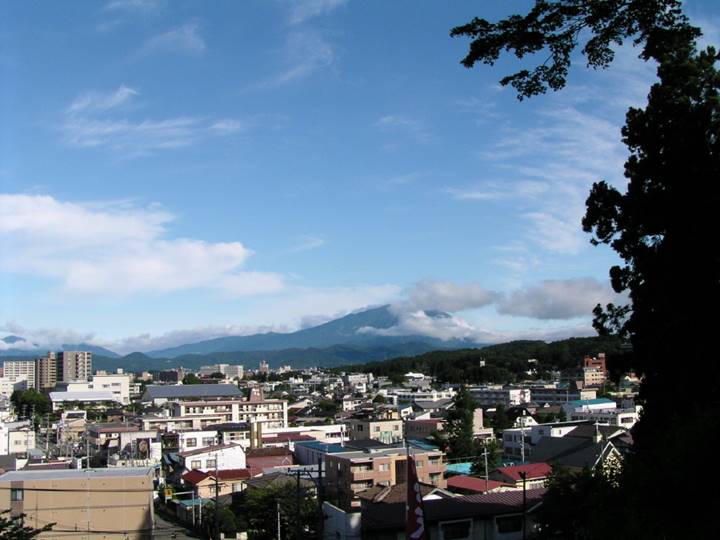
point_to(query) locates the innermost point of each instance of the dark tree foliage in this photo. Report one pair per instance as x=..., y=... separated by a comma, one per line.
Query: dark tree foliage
x=13, y=528
x=27, y=401
x=459, y=425
x=664, y=228
x=493, y=450
x=191, y=378
x=555, y=28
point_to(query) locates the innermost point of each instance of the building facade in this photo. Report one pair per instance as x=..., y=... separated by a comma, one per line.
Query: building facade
x=16, y=369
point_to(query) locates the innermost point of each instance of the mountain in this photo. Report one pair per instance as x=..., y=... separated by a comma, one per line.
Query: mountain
x=95, y=349
x=342, y=331
x=298, y=358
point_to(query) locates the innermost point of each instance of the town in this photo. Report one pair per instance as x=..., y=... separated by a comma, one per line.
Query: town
x=233, y=452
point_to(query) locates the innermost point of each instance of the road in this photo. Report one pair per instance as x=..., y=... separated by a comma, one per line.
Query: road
x=165, y=529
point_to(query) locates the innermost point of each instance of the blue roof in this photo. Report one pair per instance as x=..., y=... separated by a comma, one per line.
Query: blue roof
x=419, y=443
x=459, y=468
x=328, y=448
x=596, y=401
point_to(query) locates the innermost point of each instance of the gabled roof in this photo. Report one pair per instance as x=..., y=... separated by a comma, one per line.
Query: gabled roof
x=393, y=494
x=470, y=483
x=570, y=451
x=195, y=476
x=533, y=471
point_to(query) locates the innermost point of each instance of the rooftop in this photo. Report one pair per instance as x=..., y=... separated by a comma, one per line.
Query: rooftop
x=190, y=391
x=532, y=470
x=471, y=483
x=75, y=474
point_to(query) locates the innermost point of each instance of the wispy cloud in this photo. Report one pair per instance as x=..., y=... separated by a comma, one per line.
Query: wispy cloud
x=305, y=53
x=97, y=120
x=133, y=5
x=183, y=39
x=117, y=248
x=403, y=126
x=307, y=242
x=303, y=10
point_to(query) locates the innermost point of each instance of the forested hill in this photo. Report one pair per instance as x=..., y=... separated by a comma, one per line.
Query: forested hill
x=506, y=362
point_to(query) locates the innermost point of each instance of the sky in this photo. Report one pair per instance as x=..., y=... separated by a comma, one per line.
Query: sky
x=177, y=171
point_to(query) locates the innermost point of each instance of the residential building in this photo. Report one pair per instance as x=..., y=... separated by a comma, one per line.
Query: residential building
x=193, y=440
x=349, y=473
x=471, y=485
x=230, y=371
x=113, y=502
x=74, y=366
x=588, y=405
x=160, y=394
x=411, y=395
x=626, y=417
x=264, y=367
x=596, y=363
x=423, y=428
x=536, y=475
x=229, y=481
x=117, y=383
x=16, y=437
x=387, y=430
x=552, y=394
x=220, y=457
x=17, y=369
x=493, y=395
x=593, y=376
x=9, y=384
x=171, y=376
x=518, y=442
x=594, y=448
x=96, y=398
x=46, y=374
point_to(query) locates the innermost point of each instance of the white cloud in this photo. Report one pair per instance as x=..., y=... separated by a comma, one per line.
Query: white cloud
x=306, y=53
x=444, y=328
x=118, y=248
x=307, y=242
x=558, y=299
x=93, y=120
x=446, y=296
x=405, y=125
x=183, y=39
x=133, y=5
x=303, y=10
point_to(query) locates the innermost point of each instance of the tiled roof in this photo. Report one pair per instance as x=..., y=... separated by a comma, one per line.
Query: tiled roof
x=470, y=483
x=532, y=471
x=391, y=494
x=195, y=476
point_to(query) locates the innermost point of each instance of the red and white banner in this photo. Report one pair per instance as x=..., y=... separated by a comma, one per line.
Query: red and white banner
x=415, y=527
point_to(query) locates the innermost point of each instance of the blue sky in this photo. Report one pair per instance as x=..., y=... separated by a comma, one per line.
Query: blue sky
x=172, y=171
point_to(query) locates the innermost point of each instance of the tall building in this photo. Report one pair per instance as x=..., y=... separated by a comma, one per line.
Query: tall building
x=14, y=369
x=264, y=367
x=74, y=366
x=46, y=371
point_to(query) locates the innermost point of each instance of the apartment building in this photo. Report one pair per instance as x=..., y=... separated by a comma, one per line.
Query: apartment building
x=557, y=395
x=9, y=384
x=404, y=394
x=84, y=504
x=386, y=430
x=220, y=457
x=230, y=371
x=16, y=437
x=47, y=371
x=593, y=376
x=626, y=417
x=349, y=473
x=493, y=395
x=18, y=369
x=161, y=394
x=74, y=366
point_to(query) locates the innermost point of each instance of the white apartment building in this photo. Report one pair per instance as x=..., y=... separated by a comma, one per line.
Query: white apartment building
x=194, y=440
x=16, y=437
x=403, y=394
x=557, y=395
x=15, y=369
x=492, y=395
x=9, y=384
x=229, y=456
x=117, y=384
x=626, y=418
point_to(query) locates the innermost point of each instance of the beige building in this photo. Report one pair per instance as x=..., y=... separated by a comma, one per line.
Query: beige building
x=46, y=371
x=74, y=366
x=16, y=369
x=84, y=504
x=377, y=429
x=349, y=473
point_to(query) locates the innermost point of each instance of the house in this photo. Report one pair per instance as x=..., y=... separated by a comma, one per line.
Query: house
x=535, y=475
x=492, y=516
x=577, y=453
x=204, y=483
x=261, y=459
x=220, y=457
x=423, y=428
x=116, y=501
x=470, y=485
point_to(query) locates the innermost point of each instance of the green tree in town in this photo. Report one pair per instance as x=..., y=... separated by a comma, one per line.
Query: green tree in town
x=379, y=399
x=664, y=229
x=13, y=527
x=489, y=450
x=459, y=425
x=26, y=401
x=501, y=420
x=191, y=378
x=259, y=509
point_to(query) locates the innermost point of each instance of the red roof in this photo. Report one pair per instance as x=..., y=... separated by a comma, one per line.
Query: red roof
x=195, y=476
x=532, y=470
x=470, y=483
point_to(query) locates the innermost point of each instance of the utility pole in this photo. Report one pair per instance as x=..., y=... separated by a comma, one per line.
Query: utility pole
x=320, y=493
x=217, y=502
x=278, y=519
x=298, y=521
x=485, y=455
x=523, y=475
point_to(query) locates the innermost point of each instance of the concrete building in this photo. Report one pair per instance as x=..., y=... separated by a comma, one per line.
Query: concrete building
x=379, y=429
x=117, y=383
x=557, y=395
x=161, y=394
x=9, y=384
x=96, y=398
x=46, y=371
x=349, y=473
x=221, y=457
x=230, y=371
x=493, y=395
x=74, y=366
x=626, y=417
x=84, y=504
x=16, y=369
x=16, y=438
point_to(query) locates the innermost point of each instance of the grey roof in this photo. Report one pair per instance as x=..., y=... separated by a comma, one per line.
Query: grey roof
x=190, y=391
x=75, y=474
x=568, y=451
x=97, y=395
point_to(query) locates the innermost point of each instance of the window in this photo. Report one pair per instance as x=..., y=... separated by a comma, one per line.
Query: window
x=376, y=429
x=419, y=464
x=456, y=530
x=396, y=428
x=191, y=443
x=195, y=464
x=509, y=524
x=16, y=494
x=211, y=463
x=384, y=467
x=208, y=441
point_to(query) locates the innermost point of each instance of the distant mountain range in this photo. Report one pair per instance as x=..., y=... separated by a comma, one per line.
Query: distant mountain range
x=343, y=331
x=341, y=341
